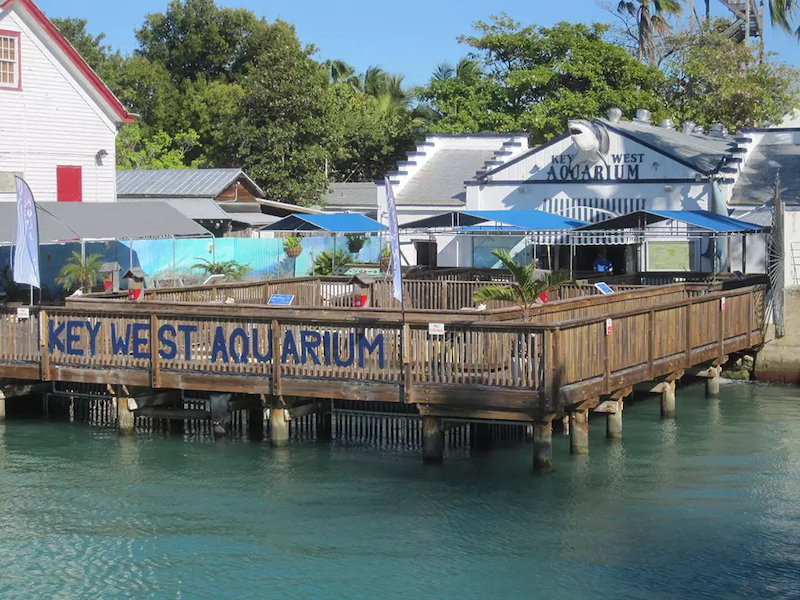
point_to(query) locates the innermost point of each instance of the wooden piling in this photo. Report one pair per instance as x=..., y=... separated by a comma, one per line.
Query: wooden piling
x=325, y=421
x=278, y=424
x=432, y=439
x=255, y=424
x=125, y=419
x=2, y=407
x=668, y=400
x=614, y=423
x=712, y=384
x=543, y=445
x=579, y=432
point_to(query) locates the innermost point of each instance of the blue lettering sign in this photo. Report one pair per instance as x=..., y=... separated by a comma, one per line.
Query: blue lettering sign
x=239, y=357
x=94, y=330
x=351, y=354
x=219, y=347
x=364, y=347
x=309, y=342
x=289, y=347
x=187, y=331
x=171, y=350
x=73, y=337
x=139, y=342
x=54, y=336
x=120, y=345
x=257, y=347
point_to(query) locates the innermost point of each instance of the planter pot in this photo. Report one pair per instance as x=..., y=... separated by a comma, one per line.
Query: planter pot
x=385, y=264
x=293, y=252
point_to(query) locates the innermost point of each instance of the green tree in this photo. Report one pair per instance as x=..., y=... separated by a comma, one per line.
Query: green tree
x=536, y=78
x=136, y=150
x=525, y=289
x=783, y=13
x=710, y=78
x=91, y=47
x=79, y=273
x=652, y=19
x=232, y=270
x=466, y=69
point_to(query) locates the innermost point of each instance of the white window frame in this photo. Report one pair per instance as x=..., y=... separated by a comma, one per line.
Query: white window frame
x=14, y=37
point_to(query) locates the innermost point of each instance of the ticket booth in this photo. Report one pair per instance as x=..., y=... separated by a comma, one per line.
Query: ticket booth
x=135, y=277
x=109, y=273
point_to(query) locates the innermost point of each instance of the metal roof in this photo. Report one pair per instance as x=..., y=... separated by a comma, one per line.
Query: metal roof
x=352, y=195
x=197, y=209
x=440, y=181
x=697, y=218
x=253, y=219
x=756, y=183
x=181, y=183
x=333, y=223
x=703, y=153
x=523, y=220
x=51, y=230
x=124, y=220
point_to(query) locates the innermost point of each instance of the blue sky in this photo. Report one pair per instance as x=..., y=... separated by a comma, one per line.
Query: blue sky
x=410, y=40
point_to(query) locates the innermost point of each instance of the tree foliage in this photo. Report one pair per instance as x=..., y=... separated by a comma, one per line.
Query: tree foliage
x=710, y=78
x=230, y=269
x=536, y=78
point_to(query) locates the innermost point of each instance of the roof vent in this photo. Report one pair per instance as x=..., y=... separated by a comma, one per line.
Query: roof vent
x=614, y=114
x=667, y=124
x=642, y=116
x=688, y=127
x=718, y=130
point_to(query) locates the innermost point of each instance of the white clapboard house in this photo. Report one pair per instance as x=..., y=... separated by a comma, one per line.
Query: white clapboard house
x=58, y=120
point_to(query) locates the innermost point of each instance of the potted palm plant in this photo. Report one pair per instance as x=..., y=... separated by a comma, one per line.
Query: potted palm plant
x=525, y=289
x=293, y=246
x=79, y=273
x=386, y=258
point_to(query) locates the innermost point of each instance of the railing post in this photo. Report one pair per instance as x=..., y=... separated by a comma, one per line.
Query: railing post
x=749, y=319
x=276, y=358
x=606, y=360
x=721, y=324
x=549, y=348
x=651, y=342
x=689, y=317
x=45, y=345
x=408, y=381
x=155, y=369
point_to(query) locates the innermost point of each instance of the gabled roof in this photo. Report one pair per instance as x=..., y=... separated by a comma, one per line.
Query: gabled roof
x=182, y=183
x=756, y=183
x=352, y=195
x=197, y=209
x=702, y=153
x=82, y=69
x=333, y=223
x=440, y=181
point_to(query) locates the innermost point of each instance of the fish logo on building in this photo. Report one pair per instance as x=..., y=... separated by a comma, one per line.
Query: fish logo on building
x=591, y=141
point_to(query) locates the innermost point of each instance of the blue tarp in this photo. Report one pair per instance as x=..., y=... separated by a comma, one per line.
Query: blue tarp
x=697, y=218
x=522, y=220
x=333, y=223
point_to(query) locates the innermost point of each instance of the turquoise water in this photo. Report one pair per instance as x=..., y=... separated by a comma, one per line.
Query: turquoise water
x=707, y=506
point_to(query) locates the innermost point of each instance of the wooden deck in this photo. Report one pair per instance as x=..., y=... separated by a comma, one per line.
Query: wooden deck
x=488, y=365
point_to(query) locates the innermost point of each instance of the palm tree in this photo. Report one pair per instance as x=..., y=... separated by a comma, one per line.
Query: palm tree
x=79, y=273
x=782, y=13
x=232, y=270
x=466, y=70
x=341, y=72
x=525, y=289
x=387, y=88
x=326, y=261
x=651, y=18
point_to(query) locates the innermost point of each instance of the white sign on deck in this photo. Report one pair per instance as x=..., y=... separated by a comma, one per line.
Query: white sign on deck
x=435, y=328
x=23, y=312
x=603, y=287
x=609, y=326
x=722, y=303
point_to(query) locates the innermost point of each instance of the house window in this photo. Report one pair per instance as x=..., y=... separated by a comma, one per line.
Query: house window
x=69, y=185
x=9, y=60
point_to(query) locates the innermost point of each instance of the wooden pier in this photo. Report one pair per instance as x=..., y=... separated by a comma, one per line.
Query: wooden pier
x=584, y=352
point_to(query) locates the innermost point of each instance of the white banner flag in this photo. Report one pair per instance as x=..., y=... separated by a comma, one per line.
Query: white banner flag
x=394, y=242
x=26, y=237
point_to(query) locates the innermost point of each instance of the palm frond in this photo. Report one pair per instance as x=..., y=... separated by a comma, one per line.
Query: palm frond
x=495, y=292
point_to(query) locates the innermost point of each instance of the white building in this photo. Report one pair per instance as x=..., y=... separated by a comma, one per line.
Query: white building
x=58, y=120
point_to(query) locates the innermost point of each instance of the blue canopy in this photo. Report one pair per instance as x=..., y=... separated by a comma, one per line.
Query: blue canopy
x=523, y=220
x=697, y=218
x=333, y=223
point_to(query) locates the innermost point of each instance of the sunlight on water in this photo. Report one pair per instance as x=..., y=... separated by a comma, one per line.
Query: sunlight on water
x=706, y=506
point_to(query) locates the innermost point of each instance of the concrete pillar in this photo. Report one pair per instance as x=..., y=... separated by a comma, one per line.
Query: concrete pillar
x=278, y=425
x=668, y=400
x=255, y=424
x=432, y=439
x=579, y=432
x=542, y=445
x=2, y=406
x=325, y=422
x=220, y=413
x=712, y=385
x=125, y=419
x=614, y=423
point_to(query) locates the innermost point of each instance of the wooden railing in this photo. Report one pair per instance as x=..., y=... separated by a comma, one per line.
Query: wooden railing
x=583, y=349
